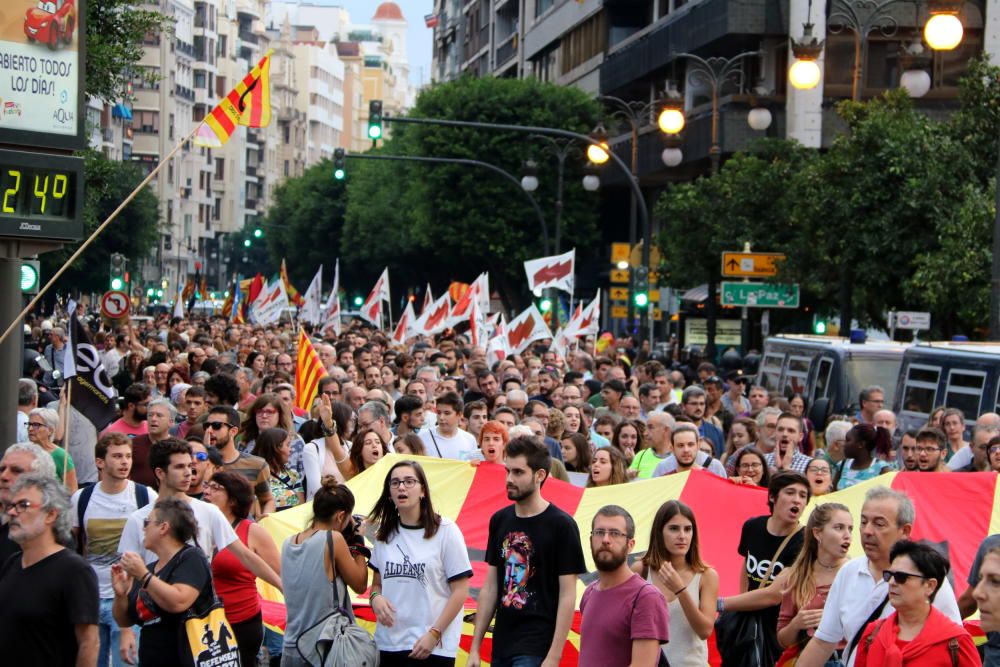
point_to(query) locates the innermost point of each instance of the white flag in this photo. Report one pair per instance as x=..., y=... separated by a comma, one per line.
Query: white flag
x=428, y=299
x=496, y=349
x=270, y=303
x=588, y=322
x=331, y=313
x=311, y=310
x=555, y=271
x=405, y=325
x=525, y=329
x=436, y=318
x=371, y=309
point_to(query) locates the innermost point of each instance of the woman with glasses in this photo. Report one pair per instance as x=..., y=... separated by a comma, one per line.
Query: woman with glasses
x=418, y=618
x=916, y=633
x=42, y=424
x=993, y=453
x=158, y=596
x=274, y=445
x=820, y=476
x=806, y=584
x=751, y=468
x=268, y=411
x=236, y=585
x=690, y=587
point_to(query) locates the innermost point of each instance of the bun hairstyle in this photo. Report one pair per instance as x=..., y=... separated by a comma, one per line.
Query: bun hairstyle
x=331, y=498
x=875, y=438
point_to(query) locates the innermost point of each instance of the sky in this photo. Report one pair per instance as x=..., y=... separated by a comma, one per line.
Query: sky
x=419, y=38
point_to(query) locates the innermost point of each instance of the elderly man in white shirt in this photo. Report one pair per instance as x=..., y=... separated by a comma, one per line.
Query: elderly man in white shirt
x=859, y=595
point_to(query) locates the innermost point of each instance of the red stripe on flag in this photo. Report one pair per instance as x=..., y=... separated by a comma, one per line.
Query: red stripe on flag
x=256, y=103
x=721, y=507
x=952, y=510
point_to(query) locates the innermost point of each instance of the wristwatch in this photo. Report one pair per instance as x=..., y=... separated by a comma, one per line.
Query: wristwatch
x=328, y=430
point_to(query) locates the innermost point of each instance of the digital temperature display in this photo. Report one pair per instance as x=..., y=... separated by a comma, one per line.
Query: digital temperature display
x=41, y=195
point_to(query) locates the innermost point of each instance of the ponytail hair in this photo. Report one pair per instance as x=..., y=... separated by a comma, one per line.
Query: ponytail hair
x=876, y=439
x=332, y=497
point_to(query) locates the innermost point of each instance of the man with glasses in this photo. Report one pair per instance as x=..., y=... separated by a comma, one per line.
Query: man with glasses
x=221, y=428
x=285, y=364
x=51, y=609
x=980, y=462
x=20, y=458
x=860, y=594
x=159, y=416
x=872, y=399
x=374, y=415
x=134, y=402
x=607, y=636
x=931, y=447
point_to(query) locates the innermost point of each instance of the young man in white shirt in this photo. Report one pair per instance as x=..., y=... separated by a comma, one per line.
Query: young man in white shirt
x=687, y=455
x=447, y=440
x=99, y=515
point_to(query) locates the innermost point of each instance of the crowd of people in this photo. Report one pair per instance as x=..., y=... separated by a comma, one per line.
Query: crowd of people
x=112, y=542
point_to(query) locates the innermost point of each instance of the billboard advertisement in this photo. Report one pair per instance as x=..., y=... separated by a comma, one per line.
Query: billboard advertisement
x=41, y=72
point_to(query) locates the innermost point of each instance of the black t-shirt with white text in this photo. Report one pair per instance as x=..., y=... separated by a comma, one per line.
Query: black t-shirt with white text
x=40, y=607
x=530, y=554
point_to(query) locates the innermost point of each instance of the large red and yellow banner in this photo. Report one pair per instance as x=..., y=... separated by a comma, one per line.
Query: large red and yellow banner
x=955, y=511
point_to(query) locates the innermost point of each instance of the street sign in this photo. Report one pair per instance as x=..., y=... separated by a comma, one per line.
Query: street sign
x=114, y=305
x=619, y=276
x=619, y=252
x=727, y=332
x=751, y=264
x=619, y=312
x=760, y=295
x=619, y=293
x=915, y=320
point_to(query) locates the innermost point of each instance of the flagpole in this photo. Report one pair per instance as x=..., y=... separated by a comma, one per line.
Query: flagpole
x=86, y=244
x=65, y=429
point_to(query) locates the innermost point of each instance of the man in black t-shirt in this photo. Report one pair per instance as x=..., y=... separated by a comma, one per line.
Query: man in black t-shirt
x=19, y=459
x=533, y=555
x=54, y=621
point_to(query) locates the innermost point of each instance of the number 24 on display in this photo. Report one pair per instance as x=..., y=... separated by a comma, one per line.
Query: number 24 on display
x=45, y=186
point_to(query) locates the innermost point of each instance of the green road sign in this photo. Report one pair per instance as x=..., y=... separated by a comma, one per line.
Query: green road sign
x=760, y=295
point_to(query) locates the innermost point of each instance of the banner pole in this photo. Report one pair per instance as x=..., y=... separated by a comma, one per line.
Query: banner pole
x=86, y=244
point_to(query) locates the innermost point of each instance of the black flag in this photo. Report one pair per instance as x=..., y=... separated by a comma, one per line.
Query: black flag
x=93, y=395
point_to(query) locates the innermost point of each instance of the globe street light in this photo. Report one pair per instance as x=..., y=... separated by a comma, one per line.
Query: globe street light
x=943, y=31
x=598, y=154
x=529, y=182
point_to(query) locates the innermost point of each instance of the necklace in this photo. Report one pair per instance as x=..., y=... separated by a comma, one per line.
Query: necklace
x=825, y=566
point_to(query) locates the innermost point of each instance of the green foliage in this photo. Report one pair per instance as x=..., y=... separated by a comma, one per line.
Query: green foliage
x=134, y=232
x=115, y=30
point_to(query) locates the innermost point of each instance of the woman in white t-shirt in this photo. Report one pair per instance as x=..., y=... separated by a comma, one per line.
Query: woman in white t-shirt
x=422, y=573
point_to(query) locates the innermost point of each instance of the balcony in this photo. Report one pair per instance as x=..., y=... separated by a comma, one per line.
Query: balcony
x=251, y=170
x=184, y=93
x=507, y=50
x=185, y=48
x=247, y=37
x=251, y=204
x=107, y=135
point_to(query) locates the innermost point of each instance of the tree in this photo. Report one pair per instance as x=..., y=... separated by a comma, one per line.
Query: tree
x=134, y=233
x=115, y=32
x=458, y=221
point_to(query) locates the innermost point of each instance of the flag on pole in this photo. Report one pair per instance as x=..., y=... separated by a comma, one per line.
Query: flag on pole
x=227, y=305
x=239, y=307
x=249, y=103
x=477, y=324
x=312, y=302
x=436, y=318
x=431, y=20
x=94, y=395
x=331, y=313
x=308, y=371
x=179, y=303
x=293, y=294
x=525, y=329
x=403, y=329
x=269, y=305
x=555, y=271
x=586, y=322
x=428, y=299
x=496, y=349
x=189, y=290
x=371, y=309
x=474, y=293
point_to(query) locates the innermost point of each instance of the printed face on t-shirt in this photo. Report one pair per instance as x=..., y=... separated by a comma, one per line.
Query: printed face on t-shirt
x=517, y=552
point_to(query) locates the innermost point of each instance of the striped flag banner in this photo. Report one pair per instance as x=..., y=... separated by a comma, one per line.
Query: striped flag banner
x=308, y=370
x=249, y=103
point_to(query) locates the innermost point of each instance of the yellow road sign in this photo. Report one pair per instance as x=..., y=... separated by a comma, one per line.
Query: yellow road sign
x=619, y=276
x=751, y=264
x=619, y=252
x=619, y=311
x=619, y=293
x=654, y=295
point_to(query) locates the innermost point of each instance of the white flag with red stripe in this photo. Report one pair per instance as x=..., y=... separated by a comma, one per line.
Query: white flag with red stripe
x=312, y=300
x=331, y=313
x=555, y=271
x=435, y=318
x=405, y=325
x=525, y=329
x=586, y=322
x=477, y=289
x=371, y=309
x=496, y=349
x=270, y=303
x=477, y=324
x=428, y=299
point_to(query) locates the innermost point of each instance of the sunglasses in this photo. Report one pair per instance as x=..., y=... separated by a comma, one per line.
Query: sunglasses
x=200, y=456
x=218, y=426
x=900, y=577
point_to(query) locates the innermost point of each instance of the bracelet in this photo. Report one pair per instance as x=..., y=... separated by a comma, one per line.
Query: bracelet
x=328, y=430
x=720, y=605
x=677, y=593
x=146, y=580
x=373, y=595
x=434, y=631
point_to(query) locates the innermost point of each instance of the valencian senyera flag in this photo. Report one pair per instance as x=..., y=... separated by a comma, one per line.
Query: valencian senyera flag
x=470, y=494
x=249, y=103
x=93, y=395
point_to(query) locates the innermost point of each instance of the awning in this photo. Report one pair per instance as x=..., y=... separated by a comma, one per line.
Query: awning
x=121, y=111
x=696, y=294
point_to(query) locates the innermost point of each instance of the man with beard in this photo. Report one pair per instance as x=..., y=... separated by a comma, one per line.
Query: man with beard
x=19, y=459
x=607, y=636
x=908, y=451
x=132, y=423
x=786, y=454
x=533, y=555
x=159, y=416
x=221, y=430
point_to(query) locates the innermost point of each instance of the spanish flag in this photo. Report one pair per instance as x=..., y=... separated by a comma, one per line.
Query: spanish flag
x=249, y=103
x=293, y=294
x=308, y=371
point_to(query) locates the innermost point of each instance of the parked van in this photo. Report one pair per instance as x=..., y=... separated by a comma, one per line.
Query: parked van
x=956, y=375
x=829, y=372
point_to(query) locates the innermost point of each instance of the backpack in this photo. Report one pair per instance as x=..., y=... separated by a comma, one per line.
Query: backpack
x=141, y=500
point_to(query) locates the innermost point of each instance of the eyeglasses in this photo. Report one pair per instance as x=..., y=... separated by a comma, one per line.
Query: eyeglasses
x=267, y=411
x=214, y=486
x=200, y=456
x=900, y=577
x=407, y=483
x=32, y=425
x=19, y=507
x=218, y=426
x=751, y=466
x=819, y=470
x=928, y=450
x=993, y=450
x=147, y=521
x=601, y=533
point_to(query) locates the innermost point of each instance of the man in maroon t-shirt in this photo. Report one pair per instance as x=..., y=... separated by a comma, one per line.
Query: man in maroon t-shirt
x=624, y=617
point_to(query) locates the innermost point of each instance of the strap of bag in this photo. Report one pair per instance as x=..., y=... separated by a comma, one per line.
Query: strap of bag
x=953, y=651
x=333, y=568
x=774, y=559
x=871, y=637
x=857, y=636
x=81, y=509
x=840, y=473
x=434, y=440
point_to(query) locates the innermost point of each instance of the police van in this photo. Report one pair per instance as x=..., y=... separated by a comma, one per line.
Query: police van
x=829, y=372
x=959, y=375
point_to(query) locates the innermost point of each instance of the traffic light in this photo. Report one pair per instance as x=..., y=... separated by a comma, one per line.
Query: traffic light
x=819, y=325
x=640, y=286
x=258, y=232
x=117, y=271
x=30, y=276
x=545, y=306
x=375, y=119
x=358, y=301
x=247, y=243
x=339, y=167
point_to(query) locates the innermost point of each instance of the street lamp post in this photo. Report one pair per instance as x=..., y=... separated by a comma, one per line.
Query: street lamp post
x=715, y=72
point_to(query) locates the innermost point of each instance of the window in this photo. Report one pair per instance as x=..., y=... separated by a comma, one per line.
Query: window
x=146, y=121
x=584, y=42
x=822, y=387
x=965, y=392
x=770, y=371
x=796, y=376
x=220, y=168
x=920, y=390
x=542, y=6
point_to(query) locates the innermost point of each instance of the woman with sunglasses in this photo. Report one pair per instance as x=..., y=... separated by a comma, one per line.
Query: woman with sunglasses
x=236, y=585
x=274, y=445
x=916, y=633
x=418, y=620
